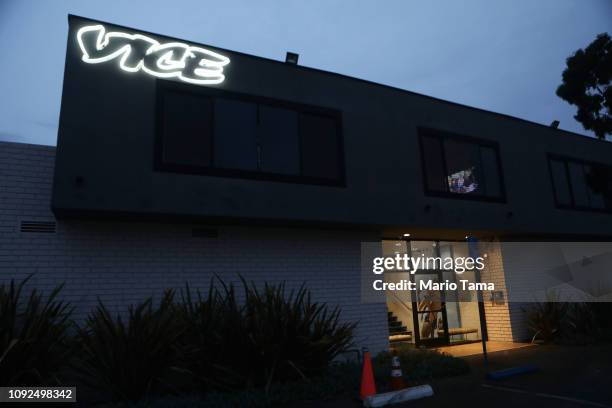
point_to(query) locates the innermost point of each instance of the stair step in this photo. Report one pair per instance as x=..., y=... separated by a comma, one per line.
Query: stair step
x=398, y=329
x=398, y=332
x=402, y=332
x=406, y=337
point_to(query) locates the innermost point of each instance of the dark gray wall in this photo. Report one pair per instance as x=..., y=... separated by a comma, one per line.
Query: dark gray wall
x=106, y=137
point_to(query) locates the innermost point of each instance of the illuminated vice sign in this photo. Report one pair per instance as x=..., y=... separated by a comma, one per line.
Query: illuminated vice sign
x=137, y=52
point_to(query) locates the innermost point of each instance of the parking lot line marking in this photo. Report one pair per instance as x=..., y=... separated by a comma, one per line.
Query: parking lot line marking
x=545, y=395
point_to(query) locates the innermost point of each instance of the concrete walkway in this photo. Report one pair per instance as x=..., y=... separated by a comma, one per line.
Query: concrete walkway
x=471, y=349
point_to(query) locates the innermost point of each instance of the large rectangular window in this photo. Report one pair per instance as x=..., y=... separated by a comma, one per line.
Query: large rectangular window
x=188, y=119
x=457, y=166
x=235, y=135
x=581, y=185
x=279, y=140
x=219, y=133
x=320, y=146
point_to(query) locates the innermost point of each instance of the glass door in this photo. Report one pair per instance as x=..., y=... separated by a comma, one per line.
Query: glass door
x=429, y=310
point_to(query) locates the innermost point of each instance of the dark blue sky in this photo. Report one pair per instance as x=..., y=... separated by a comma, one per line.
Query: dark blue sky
x=505, y=56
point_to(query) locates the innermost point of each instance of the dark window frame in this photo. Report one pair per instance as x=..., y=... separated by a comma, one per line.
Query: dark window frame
x=442, y=135
x=212, y=93
x=566, y=160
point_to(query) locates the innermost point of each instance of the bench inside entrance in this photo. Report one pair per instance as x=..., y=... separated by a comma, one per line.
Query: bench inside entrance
x=457, y=331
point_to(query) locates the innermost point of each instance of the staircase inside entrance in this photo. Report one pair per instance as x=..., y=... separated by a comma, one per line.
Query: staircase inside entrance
x=398, y=332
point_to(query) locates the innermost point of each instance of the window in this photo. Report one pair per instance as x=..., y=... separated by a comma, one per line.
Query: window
x=280, y=142
x=219, y=133
x=581, y=185
x=235, y=135
x=560, y=182
x=188, y=119
x=432, y=155
x=457, y=166
x=320, y=146
x=578, y=184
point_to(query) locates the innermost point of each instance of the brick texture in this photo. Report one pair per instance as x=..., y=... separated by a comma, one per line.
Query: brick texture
x=121, y=263
x=498, y=316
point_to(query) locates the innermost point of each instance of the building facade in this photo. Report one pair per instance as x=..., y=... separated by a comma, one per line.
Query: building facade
x=177, y=161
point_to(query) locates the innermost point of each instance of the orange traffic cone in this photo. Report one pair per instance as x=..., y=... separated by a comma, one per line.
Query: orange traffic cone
x=368, y=386
x=397, y=379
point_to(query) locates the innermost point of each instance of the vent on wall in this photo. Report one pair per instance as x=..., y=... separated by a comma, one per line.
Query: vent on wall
x=38, y=226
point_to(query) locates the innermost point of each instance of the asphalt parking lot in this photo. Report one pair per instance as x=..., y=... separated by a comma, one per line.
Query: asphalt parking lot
x=567, y=377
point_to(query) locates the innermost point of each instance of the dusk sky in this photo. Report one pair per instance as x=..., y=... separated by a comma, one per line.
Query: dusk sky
x=505, y=56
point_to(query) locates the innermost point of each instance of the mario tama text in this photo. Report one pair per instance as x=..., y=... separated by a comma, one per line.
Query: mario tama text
x=430, y=284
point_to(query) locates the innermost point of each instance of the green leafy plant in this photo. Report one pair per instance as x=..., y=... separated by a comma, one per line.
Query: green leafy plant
x=340, y=382
x=602, y=312
x=419, y=365
x=131, y=359
x=270, y=336
x=545, y=320
x=34, y=336
x=581, y=323
x=212, y=330
x=586, y=84
x=292, y=336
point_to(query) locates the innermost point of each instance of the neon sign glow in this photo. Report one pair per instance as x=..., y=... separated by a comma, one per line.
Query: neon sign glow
x=137, y=52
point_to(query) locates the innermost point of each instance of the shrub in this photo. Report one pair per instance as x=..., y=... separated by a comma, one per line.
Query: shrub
x=291, y=336
x=588, y=322
x=581, y=326
x=576, y=322
x=419, y=365
x=338, y=380
x=545, y=320
x=213, y=342
x=134, y=359
x=603, y=311
x=212, y=327
x=34, y=336
x=278, y=395
x=270, y=337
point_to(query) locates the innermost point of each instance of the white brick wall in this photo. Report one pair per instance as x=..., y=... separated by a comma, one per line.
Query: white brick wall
x=505, y=322
x=497, y=315
x=124, y=262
